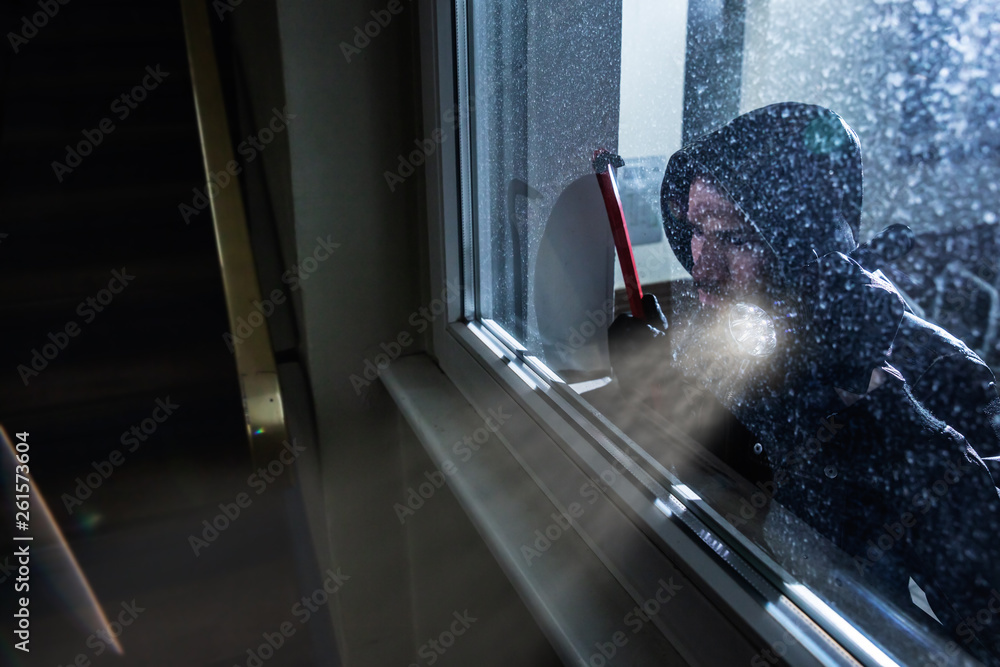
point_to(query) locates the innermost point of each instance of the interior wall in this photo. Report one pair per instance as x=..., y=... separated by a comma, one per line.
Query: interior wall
x=356, y=97
x=353, y=115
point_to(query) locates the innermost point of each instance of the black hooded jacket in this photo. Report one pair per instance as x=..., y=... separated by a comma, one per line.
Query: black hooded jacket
x=794, y=171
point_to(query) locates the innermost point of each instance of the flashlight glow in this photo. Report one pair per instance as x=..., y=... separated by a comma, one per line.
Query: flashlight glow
x=752, y=329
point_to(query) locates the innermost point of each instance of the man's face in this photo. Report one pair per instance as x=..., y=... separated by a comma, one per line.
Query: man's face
x=730, y=258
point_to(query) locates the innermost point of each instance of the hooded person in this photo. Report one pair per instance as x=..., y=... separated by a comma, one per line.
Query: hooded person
x=791, y=333
x=794, y=173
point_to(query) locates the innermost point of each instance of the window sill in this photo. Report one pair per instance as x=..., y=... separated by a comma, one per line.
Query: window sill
x=584, y=581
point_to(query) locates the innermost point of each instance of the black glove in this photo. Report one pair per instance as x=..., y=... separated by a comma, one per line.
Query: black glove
x=630, y=340
x=847, y=321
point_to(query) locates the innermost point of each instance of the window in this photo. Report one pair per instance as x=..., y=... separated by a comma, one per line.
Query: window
x=523, y=227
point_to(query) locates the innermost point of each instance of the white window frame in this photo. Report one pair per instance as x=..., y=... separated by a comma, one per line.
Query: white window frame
x=638, y=532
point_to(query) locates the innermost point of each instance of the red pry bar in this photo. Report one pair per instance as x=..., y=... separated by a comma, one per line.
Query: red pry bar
x=604, y=163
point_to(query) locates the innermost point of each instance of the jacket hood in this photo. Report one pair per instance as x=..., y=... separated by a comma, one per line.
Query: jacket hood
x=794, y=171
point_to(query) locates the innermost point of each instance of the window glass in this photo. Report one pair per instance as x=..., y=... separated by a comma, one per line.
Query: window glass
x=652, y=84
x=546, y=82
x=811, y=193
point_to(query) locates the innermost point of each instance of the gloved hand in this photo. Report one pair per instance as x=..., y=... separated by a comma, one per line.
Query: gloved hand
x=847, y=319
x=630, y=340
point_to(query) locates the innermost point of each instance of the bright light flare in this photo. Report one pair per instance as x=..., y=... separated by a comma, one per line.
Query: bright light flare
x=753, y=330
